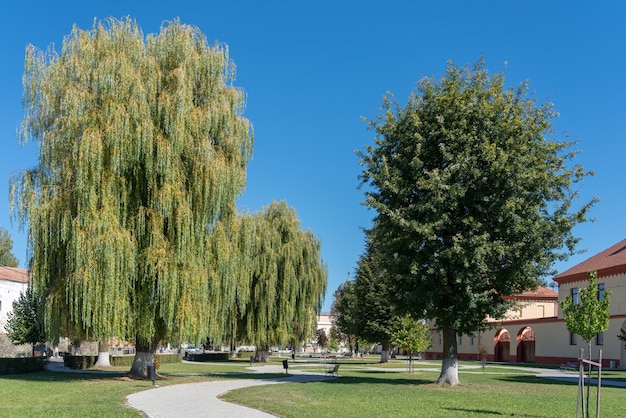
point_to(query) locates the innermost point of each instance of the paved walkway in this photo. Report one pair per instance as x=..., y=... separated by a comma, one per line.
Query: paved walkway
x=201, y=399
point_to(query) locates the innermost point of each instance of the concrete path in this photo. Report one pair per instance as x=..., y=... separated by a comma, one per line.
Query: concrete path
x=201, y=399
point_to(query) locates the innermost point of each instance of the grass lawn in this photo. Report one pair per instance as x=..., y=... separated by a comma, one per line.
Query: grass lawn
x=60, y=394
x=363, y=389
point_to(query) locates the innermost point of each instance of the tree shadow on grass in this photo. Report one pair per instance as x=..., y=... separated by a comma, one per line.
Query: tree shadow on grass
x=233, y=375
x=471, y=412
x=529, y=379
x=48, y=376
x=355, y=380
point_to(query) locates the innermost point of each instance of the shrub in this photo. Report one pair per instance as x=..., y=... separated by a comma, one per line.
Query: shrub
x=22, y=365
x=202, y=357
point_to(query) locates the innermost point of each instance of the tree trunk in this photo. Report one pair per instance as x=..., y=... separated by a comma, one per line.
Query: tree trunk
x=384, y=353
x=262, y=354
x=449, y=365
x=144, y=356
x=588, y=379
x=103, y=354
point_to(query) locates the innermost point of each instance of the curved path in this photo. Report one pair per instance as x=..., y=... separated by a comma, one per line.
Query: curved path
x=201, y=399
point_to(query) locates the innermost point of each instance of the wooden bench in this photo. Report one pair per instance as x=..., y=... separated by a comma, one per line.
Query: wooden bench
x=333, y=371
x=570, y=365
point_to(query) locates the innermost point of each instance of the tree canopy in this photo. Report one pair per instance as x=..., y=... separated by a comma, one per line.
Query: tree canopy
x=287, y=280
x=412, y=336
x=142, y=148
x=373, y=311
x=344, y=312
x=473, y=197
x=7, y=259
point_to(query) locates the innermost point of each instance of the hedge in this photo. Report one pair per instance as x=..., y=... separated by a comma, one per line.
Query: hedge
x=22, y=365
x=202, y=357
x=85, y=362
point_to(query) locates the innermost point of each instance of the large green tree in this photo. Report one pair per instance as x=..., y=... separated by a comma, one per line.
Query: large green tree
x=25, y=323
x=473, y=197
x=142, y=148
x=7, y=259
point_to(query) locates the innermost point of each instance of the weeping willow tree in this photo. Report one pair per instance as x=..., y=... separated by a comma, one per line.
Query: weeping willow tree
x=142, y=148
x=231, y=249
x=287, y=281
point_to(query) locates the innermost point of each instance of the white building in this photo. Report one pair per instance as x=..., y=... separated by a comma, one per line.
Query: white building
x=324, y=321
x=13, y=281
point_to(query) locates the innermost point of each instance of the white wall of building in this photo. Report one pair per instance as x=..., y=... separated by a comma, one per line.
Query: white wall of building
x=9, y=292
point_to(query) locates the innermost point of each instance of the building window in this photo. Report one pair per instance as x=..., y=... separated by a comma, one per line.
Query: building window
x=460, y=340
x=600, y=339
x=572, y=338
x=601, y=291
x=574, y=295
x=471, y=340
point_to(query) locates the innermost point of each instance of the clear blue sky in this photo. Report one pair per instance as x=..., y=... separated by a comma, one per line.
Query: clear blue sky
x=313, y=69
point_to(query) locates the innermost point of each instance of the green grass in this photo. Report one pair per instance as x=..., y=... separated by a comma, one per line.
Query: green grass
x=60, y=394
x=67, y=395
x=496, y=391
x=364, y=389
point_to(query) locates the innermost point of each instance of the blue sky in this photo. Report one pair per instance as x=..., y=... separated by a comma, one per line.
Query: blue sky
x=312, y=70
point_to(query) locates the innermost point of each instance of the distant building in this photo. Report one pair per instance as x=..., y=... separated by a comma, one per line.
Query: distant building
x=535, y=332
x=324, y=321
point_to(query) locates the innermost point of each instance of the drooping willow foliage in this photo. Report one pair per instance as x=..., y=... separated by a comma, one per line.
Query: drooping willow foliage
x=287, y=280
x=142, y=148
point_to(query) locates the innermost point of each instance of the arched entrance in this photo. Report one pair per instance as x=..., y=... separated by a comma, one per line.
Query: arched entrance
x=526, y=345
x=502, y=345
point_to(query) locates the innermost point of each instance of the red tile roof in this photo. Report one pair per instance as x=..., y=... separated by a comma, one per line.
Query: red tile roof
x=541, y=293
x=608, y=262
x=14, y=274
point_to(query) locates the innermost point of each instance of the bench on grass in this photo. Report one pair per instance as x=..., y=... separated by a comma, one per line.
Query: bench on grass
x=333, y=371
x=570, y=365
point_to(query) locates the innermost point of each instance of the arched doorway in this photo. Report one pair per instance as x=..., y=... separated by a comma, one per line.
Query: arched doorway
x=526, y=345
x=502, y=345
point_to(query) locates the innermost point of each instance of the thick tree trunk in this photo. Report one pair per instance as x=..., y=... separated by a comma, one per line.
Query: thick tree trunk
x=144, y=356
x=384, y=353
x=103, y=354
x=262, y=354
x=449, y=365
